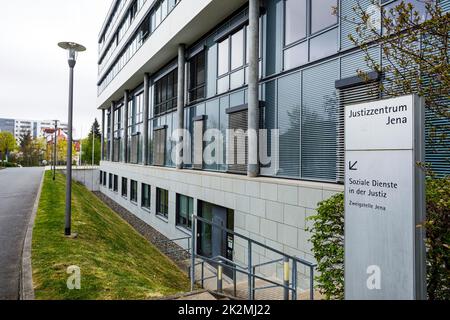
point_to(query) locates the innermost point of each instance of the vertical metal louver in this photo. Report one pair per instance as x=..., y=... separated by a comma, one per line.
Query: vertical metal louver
x=199, y=129
x=237, y=156
x=134, y=148
x=347, y=96
x=116, y=154
x=289, y=123
x=108, y=150
x=159, y=148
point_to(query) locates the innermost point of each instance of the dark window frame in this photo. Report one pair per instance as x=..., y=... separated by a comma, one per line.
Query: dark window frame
x=166, y=94
x=194, y=86
x=110, y=181
x=124, y=187
x=162, y=209
x=179, y=219
x=146, y=191
x=133, y=191
x=116, y=183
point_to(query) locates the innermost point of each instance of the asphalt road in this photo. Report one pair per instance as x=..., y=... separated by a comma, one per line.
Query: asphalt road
x=18, y=190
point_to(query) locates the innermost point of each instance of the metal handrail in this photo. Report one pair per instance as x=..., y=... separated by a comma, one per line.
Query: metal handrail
x=173, y=240
x=267, y=263
x=246, y=273
x=250, y=271
x=299, y=260
x=221, y=258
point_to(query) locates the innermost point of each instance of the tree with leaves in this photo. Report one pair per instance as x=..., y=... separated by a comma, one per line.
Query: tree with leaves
x=7, y=144
x=96, y=129
x=32, y=150
x=414, y=43
x=89, y=143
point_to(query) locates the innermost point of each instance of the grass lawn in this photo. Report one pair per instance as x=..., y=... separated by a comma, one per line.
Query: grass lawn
x=115, y=261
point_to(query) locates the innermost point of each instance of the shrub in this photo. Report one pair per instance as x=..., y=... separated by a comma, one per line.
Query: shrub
x=438, y=239
x=328, y=246
x=328, y=243
x=8, y=165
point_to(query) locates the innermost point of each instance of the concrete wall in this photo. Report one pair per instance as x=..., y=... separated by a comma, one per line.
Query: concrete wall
x=269, y=210
x=89, y=177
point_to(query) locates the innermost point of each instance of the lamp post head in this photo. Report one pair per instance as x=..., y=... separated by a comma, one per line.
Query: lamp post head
x=72, y=50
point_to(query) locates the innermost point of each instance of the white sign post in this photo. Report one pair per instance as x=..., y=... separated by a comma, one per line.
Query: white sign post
x=384, y=200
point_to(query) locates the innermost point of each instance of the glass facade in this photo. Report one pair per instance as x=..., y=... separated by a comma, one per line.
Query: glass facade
x=299, y=65
x=156, y=16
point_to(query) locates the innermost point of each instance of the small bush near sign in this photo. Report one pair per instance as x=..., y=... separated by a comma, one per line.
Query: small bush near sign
x=328, y=247
x=328, y=243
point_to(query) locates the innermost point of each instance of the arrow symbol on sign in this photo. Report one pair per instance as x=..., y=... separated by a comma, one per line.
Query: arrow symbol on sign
x=352, y=167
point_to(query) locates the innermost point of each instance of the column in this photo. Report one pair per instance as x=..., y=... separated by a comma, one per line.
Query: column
x=125, y=124
x=180, y=94
x=253, y=89
x=111, y=134
x=146, y=116
x=102, y=157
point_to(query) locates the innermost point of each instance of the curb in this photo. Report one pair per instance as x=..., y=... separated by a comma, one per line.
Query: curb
x=26, y=274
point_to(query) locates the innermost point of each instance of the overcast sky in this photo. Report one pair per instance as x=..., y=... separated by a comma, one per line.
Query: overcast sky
x=34, y=70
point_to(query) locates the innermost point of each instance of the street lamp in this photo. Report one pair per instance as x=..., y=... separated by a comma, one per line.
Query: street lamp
x=72, y=48
x=55, y=141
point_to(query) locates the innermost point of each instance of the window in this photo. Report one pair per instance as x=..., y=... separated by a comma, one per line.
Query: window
x=232, y=61
x=185, y=210
x=166, y=93
x=296, y=56
x=197, y=78
x=136, y=124
x=116, y=183
x=108, y=136
x=322, y=14
x=104, y=179
x=237, y=148
x=419, y=7
x=323, y=45
x=162, y=202
x=145, y=197
x=101, y=177
x=224, y=57
x=133, y=191
x=310, y=31
x=118, y=132
x=296, y=19
x=237, y=50
x=124, y=187
x=110, y=181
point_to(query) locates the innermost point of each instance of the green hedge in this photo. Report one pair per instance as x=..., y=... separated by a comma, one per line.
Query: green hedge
x=328, y=243
x=8, y=165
